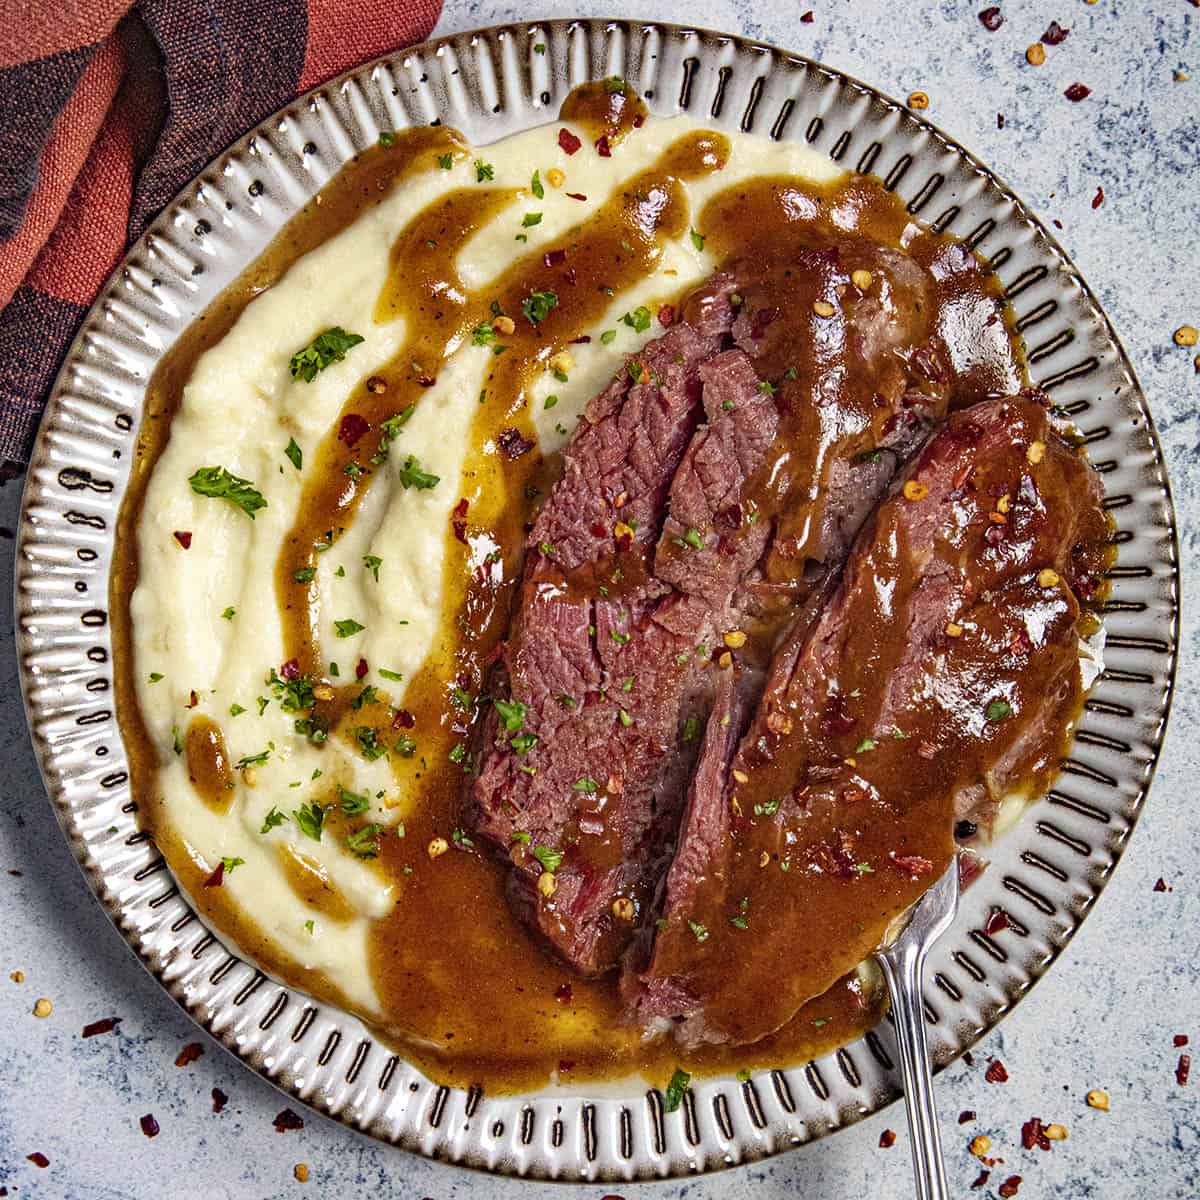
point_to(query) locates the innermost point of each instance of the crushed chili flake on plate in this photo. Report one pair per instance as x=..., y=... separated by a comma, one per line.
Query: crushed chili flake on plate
x=104, y=1025
x=189, y=1054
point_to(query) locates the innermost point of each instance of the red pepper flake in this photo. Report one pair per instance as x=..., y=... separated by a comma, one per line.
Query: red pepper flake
x=603, y=148
x=189, y=1054
x=193, y=700
x=290, y=669
x=582, y=340
x=184, y=538
x=149, y=1125
x=1055, y=35
x=574, y=195
x=992, y=18
x=568, y=142
x=1182, y=1070
x=981, y=1179
x=513, y=443
x=403, y=719
x=1010, y=1187
x=912, y=864
x=967, y=1114
x=1075, y=93
x=1033, y=1134
x=666, y=315
x=566, y=1064
x=807, y=18
x=968, y=1058
x=38, y=1159
x=426, y=380
x=287, y=1119
x=996, y=922
x=887, y=1139
x=996, y=1072
x=1160, y=885
x=352, y=428
x=1098, y=198
x=458, y=520
x=1180, y=1039
x=217, y=878
x=554, y=258
x=563, y=993
x=219, y=1100
x=104, y=1025
x=361, y=668
x=999, y=120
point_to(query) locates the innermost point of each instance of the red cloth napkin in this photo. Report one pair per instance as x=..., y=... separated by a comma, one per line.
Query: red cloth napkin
x=107, y=108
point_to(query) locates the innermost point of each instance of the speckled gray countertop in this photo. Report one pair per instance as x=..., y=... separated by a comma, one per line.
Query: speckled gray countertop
x=1104, y=1017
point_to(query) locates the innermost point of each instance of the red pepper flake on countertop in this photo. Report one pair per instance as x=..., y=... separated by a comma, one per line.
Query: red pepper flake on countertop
x=184, y=538
x=189, y=1054
x=967, y=1114
x=1183, y=1069
x=999, y=120
x=219, y=1100
x=38, y=1159
x=104, y=1025
x=992, y=18
x=352, y=428
x=887, y=1139
x=1098, y=198
x=997, y=921
x=1180, y=1039
x=1077, y=92
x=149, y=1125
x=287, y=1119
x=807, y=18
x=1011, y=1186
x=1160, y=885
x=981, y=1179
x=568, y=142
x=1055, y=35
x=1033, y=1134
x=996, y=1072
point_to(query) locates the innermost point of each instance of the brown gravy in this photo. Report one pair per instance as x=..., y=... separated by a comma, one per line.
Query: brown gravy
x=466, y=993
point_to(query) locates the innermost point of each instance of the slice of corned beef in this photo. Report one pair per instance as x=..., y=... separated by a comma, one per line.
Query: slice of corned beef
x=943, y=669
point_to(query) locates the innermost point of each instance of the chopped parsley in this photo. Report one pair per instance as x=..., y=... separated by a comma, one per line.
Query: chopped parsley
x=998, y=710
x=325, y=349
x=230, y=864
x=458, y=753
x=411, y=475
x=694, y=538
x=537, y=305
x=768, y=808
x=368, y=743
x=638, y=320
x=373, y=562
x=155, y=676
x=512, y=713
x=691, y=728
x=550, y=859
x=766, y=387
x=530, y=219
x=390, y=430
x=294, y=695
x=868, y=456
x=520, y=836
x=253, y=760
x=272, y=819
x=535, y=186
x=462, y=839
x=236, y=710
x=624, y=718
x=304, y=574
x=522, y=743
x=585, y=785
x=364, y=842
x=445, y=161
x=743, y=1076
x=405, y=746
x=697, y=239
x=618, y=637
x=609, y=335
x=483, y=171
x=220, y=484
x=310, y=818
x=551, y=401
x=394, y=676
x=673, y=1097
x=294, y=454
x=483, y=335
x=700, y=932
x=865, y=745
x=738, y=922
x=352, y=803
x=387, y=138
x=229, y=613
x=347, y=628
x=614, y=84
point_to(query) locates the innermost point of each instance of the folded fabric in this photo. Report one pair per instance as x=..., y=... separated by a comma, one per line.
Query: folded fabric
x=109, y=107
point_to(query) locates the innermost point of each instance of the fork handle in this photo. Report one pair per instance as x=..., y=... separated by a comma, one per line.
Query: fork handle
x=902, y=967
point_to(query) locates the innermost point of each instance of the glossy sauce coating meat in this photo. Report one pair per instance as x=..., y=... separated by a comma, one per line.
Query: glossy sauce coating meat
x=939, y=676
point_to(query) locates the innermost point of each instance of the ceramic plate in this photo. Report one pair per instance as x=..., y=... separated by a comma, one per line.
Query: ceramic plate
x=1044, y=876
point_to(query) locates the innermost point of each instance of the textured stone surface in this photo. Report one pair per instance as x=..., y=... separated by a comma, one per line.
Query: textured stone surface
x=1104, y=1016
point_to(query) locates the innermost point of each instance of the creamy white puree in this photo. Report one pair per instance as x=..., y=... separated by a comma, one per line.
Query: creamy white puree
x=239, y=410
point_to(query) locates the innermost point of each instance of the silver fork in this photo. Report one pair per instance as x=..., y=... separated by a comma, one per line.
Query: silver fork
x=903, y=963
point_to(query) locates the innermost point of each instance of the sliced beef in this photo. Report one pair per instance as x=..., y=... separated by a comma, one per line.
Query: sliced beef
x=942, y=672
